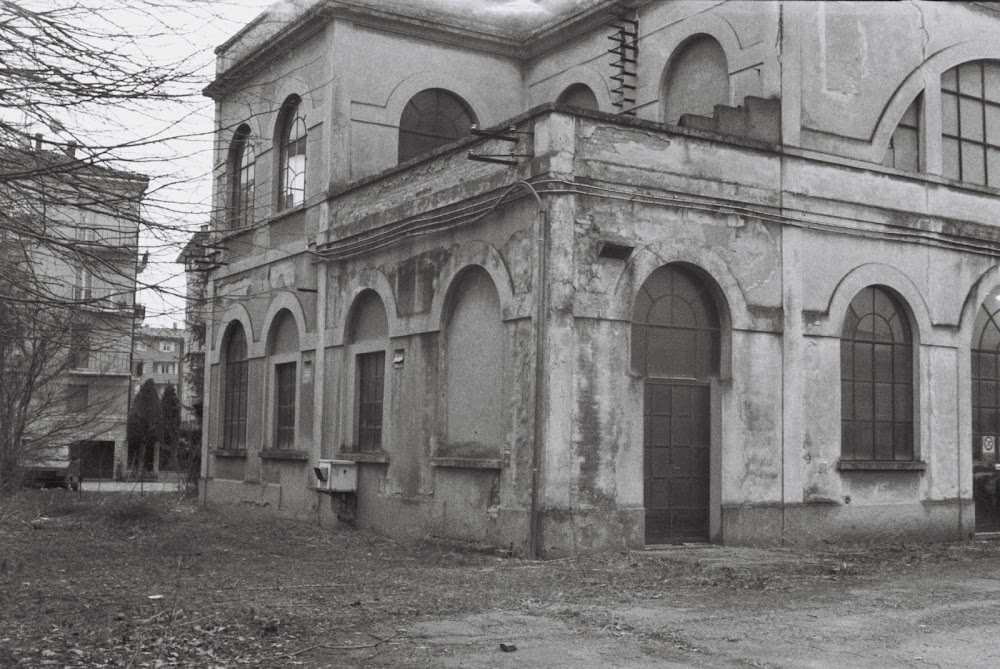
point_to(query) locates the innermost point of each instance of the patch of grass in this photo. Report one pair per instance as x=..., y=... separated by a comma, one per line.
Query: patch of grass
x=134, y=512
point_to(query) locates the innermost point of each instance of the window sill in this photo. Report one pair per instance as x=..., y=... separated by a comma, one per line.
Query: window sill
x=230, y=453
x=876, y=466
x=281, y=454
x=369, y=456
x=285, y=213
x=467, y=463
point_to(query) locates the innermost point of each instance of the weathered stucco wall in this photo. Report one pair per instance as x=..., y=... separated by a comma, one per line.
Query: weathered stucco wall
x=782, y=237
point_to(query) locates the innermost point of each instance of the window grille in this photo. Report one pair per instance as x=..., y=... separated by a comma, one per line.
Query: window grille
x=234, y=421
x=876, y=361
x=985, y=377
x=292, y=165
x=242, y=168
x=970, y=123
x=284, y=382
x=371, y=386
x=675, y=327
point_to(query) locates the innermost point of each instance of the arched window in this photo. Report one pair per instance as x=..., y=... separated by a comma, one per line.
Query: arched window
x=903, y=151
x=474, y=355
x=970, y=123
x=986, y=378
x=432, y=118
x=234, y=400
x=241, y=174
x=369, y=338
x=675, y=327
x=291, y=136
x=283, y=353
x=580, y=96
x=697, y=80
x=876, y=379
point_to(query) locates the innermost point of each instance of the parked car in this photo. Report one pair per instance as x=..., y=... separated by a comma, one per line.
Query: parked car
x=46, y=477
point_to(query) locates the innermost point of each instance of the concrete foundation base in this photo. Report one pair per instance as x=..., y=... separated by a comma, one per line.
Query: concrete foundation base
x=568, y=532
x=811, y=524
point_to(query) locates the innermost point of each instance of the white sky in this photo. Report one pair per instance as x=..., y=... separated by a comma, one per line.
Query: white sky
x=196, y=27
x=181, y=168
x=167, y=33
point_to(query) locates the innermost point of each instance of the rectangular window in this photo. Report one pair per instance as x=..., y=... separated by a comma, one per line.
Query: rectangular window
x=168, y=346
x=83, y=290
x=140, y=345
x=284, y=388
x=76, y=398
x=234, y=428
x=79, y=349
x=371, y=384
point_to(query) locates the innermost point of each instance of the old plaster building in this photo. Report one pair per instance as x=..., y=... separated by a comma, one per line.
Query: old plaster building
x=717, y=271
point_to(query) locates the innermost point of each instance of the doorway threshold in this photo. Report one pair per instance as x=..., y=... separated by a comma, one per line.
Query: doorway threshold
x=986, y=536
x=686, y=544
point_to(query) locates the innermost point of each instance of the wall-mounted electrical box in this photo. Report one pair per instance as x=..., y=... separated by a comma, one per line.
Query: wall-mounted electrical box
x=340, y=475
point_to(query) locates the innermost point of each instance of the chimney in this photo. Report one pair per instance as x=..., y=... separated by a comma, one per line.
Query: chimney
x=38, y=141
x=174, y=324
x=71, y=149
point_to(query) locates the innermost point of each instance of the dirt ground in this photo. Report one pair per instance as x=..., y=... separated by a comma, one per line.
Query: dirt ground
x=116, y=581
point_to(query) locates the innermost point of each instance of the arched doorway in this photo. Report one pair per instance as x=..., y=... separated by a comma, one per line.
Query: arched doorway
x=675, y=348
x=986, y=415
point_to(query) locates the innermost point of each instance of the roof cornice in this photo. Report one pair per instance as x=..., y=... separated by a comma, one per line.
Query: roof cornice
x=526, y=44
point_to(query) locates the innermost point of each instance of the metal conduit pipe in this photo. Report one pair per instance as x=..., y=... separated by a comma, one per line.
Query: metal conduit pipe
x=538, y=286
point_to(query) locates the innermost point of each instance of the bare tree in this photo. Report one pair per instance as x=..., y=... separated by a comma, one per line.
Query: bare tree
x=80, y=95
x=40, y=346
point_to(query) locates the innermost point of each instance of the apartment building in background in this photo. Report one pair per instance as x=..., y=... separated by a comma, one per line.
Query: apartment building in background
x=70, y=236
x=158, y=354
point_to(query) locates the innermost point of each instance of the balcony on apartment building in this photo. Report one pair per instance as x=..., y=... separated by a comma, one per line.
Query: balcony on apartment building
x=110, y=363
x=104, y=299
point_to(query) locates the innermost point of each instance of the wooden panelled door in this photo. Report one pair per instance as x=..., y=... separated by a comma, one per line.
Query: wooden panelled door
x=676, y=461
x=675, y=347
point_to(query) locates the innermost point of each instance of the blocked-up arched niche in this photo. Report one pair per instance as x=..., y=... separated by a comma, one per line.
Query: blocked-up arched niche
x=579, y=96
x=474, y=346
x=697, y=79
x=431, y=119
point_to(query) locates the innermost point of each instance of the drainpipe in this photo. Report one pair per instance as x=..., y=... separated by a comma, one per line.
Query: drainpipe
x=538, y=285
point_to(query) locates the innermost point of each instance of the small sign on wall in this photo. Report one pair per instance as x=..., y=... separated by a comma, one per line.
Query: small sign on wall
x=307, y=367
x=989, y=444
